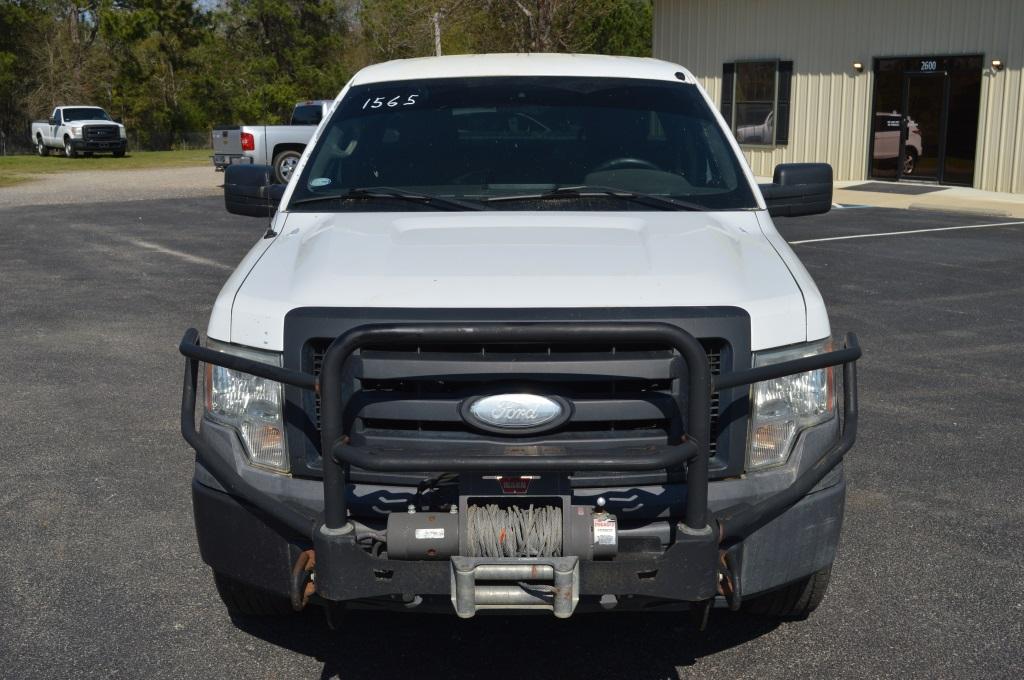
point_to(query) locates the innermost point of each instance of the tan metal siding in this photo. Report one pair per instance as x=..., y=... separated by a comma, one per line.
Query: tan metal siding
x=830, y=115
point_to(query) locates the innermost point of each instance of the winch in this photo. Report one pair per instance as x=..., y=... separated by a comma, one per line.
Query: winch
x=496, y=527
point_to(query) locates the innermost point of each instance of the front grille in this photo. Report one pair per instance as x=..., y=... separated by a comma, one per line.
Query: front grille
x=100, y=132
x=620, y=392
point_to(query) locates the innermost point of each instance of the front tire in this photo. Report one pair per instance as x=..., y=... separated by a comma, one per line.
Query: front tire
x=909, y=162
x=69, y=149
x=119, y=154
x=243, y=600
x=41, y=148
x=285, y=163
x=794, y=602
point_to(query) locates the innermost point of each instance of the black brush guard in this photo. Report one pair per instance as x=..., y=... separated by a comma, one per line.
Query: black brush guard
x=702, y=542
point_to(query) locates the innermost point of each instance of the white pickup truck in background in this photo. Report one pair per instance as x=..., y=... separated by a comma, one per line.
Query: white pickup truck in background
x=79, y=129
x=279, y=146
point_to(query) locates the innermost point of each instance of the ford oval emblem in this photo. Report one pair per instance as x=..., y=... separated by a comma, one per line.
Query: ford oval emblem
x=518, y=413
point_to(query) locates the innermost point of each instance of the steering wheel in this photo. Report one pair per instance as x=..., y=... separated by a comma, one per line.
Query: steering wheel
x=625, y=164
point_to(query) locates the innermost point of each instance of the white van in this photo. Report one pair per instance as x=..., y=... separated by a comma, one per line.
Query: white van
x=521, y=335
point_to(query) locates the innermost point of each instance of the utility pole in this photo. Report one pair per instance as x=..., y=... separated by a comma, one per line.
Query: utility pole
x=437, y=32
x=439, y=15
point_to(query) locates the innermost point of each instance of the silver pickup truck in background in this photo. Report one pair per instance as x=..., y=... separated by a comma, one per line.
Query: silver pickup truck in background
x=79, y=129
x=279, y=146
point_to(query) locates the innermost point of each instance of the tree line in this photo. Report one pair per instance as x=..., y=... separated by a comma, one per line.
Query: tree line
x=172, y=69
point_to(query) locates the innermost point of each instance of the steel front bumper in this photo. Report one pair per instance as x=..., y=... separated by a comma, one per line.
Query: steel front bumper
x=708, y=556
x=244, y=543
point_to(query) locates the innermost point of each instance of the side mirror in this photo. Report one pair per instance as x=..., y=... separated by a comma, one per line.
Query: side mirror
x=249, y=191
x=799, y=189
x=51, y=120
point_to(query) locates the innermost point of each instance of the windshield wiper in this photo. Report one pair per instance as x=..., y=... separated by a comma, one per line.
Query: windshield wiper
x=363, y=193
x=583, y=190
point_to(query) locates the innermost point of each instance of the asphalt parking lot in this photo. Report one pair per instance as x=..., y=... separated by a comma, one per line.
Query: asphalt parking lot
x=100, y=571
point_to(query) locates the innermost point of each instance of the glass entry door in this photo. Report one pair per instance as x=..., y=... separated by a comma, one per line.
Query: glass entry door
x=925, y=118
x=923, y=128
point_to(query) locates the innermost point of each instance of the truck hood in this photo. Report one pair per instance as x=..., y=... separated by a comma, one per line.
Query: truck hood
x=513, y=260
x=80, y=123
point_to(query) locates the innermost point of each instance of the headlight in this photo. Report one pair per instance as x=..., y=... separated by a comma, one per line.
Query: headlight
x=124, y=135
x=782, y=408
x=251, y=405
x=76, y=132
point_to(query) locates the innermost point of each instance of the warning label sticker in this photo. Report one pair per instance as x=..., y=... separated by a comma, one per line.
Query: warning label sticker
x=429, y=533
x=604, y=531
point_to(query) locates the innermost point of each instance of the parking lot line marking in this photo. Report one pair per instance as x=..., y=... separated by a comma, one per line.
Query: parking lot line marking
x=909, y=231
x=195, y=259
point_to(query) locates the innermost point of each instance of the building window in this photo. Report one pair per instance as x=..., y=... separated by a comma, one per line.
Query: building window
x=755, y=101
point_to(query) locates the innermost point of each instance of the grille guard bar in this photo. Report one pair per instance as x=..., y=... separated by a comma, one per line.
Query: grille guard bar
x=692, y=448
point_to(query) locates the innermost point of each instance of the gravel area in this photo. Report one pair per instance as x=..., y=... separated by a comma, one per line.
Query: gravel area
x=113, y=185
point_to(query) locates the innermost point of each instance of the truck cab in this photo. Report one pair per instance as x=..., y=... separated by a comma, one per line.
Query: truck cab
x=521, y=335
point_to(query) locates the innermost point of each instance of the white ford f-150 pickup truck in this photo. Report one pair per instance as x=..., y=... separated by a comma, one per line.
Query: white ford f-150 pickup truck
x=279, y=146
x=79, y=129
x=521, y=335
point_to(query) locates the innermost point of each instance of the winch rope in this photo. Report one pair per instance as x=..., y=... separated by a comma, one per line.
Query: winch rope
x=514, y=531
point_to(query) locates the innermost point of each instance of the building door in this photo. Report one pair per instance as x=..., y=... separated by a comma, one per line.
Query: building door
x=923, y=126
x=925, y=119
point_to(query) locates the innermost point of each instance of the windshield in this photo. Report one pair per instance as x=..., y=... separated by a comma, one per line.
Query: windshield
x=520, y=140
x=84, y=113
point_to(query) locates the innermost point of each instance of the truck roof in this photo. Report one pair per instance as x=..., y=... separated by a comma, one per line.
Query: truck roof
x=469, y=65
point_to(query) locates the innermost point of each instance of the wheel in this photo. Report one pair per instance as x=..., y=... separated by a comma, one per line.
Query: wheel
x=793, y=602
x=248, y=601
x=41, y=148
x=69, y=150
x=284, y=165
x=119, y=154
x=909, y=161
x=88, y=154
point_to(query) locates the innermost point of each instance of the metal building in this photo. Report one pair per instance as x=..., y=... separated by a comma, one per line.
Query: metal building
x=881, y=89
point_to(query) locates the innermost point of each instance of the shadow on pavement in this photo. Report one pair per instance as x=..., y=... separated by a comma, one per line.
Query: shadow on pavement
x=388, y=645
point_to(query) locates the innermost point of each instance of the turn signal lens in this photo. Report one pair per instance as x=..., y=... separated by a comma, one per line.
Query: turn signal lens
x=265, y=443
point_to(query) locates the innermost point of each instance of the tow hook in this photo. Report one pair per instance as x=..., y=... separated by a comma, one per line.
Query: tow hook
x=728, y=580
x=303, y=581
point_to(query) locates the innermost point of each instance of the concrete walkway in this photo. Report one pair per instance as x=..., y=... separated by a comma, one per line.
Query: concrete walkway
x=947, y=199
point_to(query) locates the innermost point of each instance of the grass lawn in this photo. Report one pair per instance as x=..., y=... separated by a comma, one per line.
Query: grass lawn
x=15, y=169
